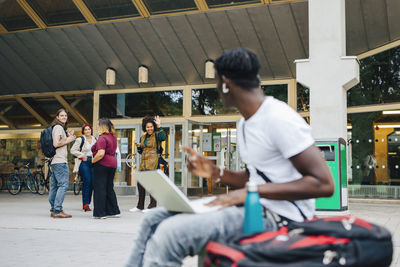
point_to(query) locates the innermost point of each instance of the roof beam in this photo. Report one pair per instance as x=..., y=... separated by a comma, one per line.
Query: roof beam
x=9, y=123
x=141, y=7
x=85, y=11
x=3, y=29
x=379, y=49
x=75, y=113
x=32, y=14
x=201, y=5
x=31, y=110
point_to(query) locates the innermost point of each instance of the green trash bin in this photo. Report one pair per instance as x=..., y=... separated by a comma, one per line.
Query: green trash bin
x=334, y=151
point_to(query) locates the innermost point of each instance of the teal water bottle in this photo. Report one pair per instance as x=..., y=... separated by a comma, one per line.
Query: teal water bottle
x=253, y=220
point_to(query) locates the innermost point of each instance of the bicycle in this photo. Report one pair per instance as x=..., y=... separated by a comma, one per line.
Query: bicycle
x=15, y=182
x=43, y=182
x=78, y=184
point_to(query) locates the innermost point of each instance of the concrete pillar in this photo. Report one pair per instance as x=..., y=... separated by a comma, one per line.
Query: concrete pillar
x=328, y=72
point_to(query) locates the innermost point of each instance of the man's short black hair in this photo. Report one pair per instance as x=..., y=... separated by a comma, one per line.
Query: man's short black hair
x=241, y=66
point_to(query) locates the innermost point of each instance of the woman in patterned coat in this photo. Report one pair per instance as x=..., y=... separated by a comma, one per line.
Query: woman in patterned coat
x=148, y=148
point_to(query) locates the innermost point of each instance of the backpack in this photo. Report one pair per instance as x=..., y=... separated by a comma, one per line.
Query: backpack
x=46, y=142
x=332, y=241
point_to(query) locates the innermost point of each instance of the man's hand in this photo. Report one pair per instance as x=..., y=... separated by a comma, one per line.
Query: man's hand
x=236, y=197
x=199, y=165
x=137, y=144
x=70, y=136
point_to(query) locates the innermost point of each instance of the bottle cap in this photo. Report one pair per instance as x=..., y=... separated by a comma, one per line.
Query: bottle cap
x=251, y=186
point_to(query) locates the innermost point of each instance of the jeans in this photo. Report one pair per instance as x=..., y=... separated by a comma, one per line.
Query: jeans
x=86, y=172
x=165, y=238
x=59, y=186
x=105, y=200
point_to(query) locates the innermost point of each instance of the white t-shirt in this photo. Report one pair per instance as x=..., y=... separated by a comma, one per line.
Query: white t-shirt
x=61, y=155
x=89, y=146
x=266, y=141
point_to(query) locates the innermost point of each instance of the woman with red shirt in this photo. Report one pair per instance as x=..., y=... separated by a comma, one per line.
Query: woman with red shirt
x=104, y=165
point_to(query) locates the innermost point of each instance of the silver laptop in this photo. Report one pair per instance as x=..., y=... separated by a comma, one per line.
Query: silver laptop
x=169, y=195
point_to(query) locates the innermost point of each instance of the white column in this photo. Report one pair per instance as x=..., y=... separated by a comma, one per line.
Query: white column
x=328, y=72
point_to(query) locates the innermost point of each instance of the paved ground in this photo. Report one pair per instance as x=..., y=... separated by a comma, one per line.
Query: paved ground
x=29, y=237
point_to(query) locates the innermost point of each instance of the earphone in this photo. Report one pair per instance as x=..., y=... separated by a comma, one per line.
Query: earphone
x=225, y=89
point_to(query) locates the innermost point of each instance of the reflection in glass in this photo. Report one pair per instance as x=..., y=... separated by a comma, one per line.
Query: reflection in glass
x=112, y=9
x=375, y=148
x=278, y=91
x=379, y=80
x=137, y=105
x=303, y=98
x=224, y=3
x=13, y=17
x=57, y=12
x=208, y=102
x=162, y=6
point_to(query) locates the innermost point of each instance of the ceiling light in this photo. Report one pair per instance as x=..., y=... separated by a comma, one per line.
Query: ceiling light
x=390, y=112
x=388, y=125
x=209, y=69
x=110, y=76
x=143, y=74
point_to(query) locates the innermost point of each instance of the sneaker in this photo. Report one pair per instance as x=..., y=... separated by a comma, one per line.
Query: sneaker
x=146, y=210
x=135, y=210
x=100, y=218
x=114, y=216
x=86, y=208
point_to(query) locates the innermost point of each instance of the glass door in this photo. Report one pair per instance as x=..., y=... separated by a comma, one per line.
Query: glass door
x=217, y=142
x=127, y=137
x=172, y=153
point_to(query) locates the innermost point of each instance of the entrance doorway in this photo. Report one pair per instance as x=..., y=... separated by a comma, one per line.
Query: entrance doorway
x=217, y=142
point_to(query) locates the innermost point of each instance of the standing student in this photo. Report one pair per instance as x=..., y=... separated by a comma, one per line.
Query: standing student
x=148, y=146
x=104, y=165
x=82, y=150
x=59, y=164
x=274, y=141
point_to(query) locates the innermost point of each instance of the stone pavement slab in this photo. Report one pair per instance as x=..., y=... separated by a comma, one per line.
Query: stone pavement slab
x=29, y=237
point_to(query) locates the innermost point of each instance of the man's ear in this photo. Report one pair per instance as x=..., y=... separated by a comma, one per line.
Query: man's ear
x=226, y=80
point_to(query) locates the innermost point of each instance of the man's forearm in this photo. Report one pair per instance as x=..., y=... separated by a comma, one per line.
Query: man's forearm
x=235, y=179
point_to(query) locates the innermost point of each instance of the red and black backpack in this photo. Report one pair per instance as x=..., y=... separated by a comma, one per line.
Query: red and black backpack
x=331, y=241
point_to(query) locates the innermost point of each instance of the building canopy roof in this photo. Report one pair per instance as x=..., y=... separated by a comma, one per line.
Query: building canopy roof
x=173, y=46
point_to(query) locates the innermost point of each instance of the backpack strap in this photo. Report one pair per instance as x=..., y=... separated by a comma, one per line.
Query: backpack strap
x=82, y=143
x=266, y=179
x=158, y=143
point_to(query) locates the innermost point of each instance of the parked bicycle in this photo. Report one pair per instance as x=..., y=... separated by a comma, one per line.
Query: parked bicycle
x=42, y=180
x=15, y=181
x=78, y=183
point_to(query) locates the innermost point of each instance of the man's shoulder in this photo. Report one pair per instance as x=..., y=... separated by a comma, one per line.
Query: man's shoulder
x=58, y=129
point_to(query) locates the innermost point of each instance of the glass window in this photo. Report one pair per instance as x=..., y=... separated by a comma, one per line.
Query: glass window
x=279, y=91
x=112, y=9
x=374, y=145
x=379, y=80
x=17, y=114
x=18, y=151
x=57, y=12
x=137, y=105
x=83, y=105
x=207, y=102
x=224, y=3
x=303, y=98
x=13, y=17
x=162, y=6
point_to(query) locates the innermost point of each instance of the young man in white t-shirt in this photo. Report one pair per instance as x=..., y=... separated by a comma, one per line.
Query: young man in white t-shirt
x=276, y=145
